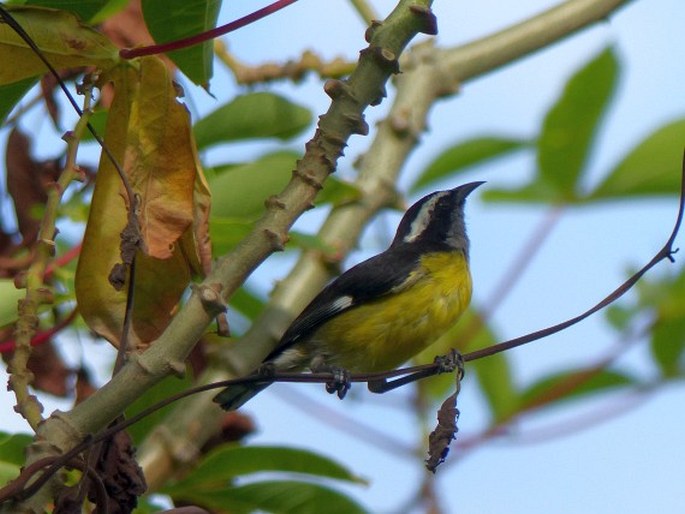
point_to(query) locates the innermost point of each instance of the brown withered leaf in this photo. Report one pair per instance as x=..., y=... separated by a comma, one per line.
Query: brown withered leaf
x=48, y=85
x=160, y=161
x=127, y=28
x=27, y=183
x=84, y=387
x=50, y=372
x=149, y=132
x=444, y=433
x=7, y=248
x=122, y=476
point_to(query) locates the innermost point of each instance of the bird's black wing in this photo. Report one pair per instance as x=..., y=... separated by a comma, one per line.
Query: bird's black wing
x=366, y=281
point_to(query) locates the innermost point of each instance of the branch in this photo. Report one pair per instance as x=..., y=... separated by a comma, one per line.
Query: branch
x=37, y=293
x=509, y=45
x=295, y=71
x=365, y=11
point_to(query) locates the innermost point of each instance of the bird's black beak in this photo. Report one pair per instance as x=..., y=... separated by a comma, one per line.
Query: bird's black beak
x=466, y=189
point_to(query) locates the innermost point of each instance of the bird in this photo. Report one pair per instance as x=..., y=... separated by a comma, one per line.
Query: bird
x=386, y=309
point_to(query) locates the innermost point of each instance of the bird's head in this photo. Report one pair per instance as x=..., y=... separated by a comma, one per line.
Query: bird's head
x=437, y=220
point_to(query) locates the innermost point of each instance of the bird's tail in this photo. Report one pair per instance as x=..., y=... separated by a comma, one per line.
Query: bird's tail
x=235, y=396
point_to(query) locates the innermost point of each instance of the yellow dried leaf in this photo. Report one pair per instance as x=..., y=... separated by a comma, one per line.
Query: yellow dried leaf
x=62, y=38
x=160, y=162
x=148, y=131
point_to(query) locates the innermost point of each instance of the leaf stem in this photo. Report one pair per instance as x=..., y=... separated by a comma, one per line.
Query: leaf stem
x=131, y=53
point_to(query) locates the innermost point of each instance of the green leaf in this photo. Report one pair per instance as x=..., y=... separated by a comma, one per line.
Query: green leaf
x=282, y=497
x=663, y=301
x=574, y=384
x=209, y=483
x=252, y=116
x=163, y=390
x=226, y=462
x=247, y=303
x=668, y=344
x=667, y=298
x=464, y=155
x=98, y=120
x=240, y=192
x=619, y=317
x=651, y=168
x=310, y=242
x=84, y=9
x=110, y=8
x=172, y=20
x=63, y=40
x=569, y=128
x=9, y=296
x=225, y=233
x=338, y=192
x=536, y=192
x=12, y=454
x=10, y=94
x=146, y=506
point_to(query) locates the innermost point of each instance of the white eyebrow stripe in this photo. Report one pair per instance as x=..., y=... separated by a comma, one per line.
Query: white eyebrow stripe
x=423, y=218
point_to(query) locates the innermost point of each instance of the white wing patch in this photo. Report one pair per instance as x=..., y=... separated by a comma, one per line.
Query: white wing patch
x=423, y=218
x=340, y=304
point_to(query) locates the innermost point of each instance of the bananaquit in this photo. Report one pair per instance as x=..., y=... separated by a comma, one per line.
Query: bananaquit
x=385, y=310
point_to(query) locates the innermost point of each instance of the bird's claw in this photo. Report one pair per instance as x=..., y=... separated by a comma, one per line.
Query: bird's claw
x=267, y=369
x=450, y=362
x=340, y=383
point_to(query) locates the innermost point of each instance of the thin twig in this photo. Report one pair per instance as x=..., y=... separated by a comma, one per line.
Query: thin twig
x=36, y=293
x=365, y=11
x=293, y=70
x=666, y=252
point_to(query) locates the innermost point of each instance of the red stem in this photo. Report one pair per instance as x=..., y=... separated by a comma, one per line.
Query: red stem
x=130, y=53
x=40, y=337
x=63, y=259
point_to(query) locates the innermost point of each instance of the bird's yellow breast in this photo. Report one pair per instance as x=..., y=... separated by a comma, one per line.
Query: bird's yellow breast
x=385, y=333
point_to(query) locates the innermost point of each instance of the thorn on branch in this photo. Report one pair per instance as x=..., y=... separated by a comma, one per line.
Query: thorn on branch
x=308, y=179
x=177, y=368
x=357, y=124
x=274, y=202
x=336, y=140
x=335, y=88
x=210, y=296
x=276, y=240
x=427, y=20
x=672, y=253
x=384, y=57
x=368, y=35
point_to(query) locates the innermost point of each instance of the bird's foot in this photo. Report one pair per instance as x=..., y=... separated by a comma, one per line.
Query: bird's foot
x=267, y=369
x=450, y=362
x=340, y=382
